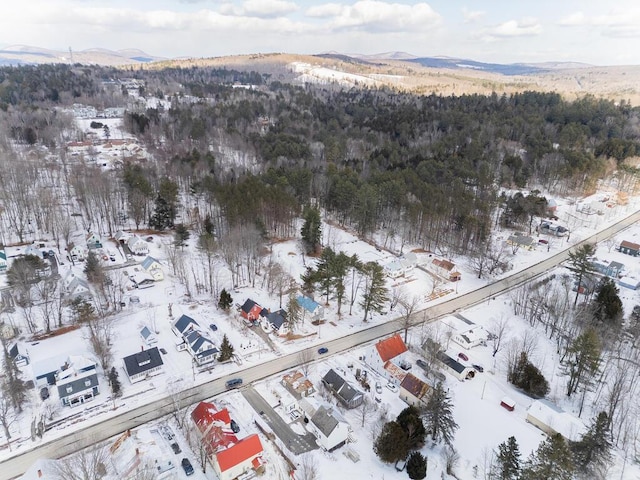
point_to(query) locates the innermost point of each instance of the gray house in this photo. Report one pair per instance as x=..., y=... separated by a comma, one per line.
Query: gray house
x=629, y=248
x=345, y=393
x=77, y=381
x=143, y=364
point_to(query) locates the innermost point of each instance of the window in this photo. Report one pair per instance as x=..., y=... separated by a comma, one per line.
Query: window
x=87, y=383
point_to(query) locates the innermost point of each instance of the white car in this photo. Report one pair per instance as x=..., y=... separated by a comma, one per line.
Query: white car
x=378, y=387
x=392, y=386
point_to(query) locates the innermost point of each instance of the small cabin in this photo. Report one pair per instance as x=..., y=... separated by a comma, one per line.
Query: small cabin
x=508, y=404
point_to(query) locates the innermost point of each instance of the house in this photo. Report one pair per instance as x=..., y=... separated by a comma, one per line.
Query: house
x=275, y=321
x=135, y=454
x=122, y=236
x=142, y=280
x=137, y=245
x=19, y=354
x=183, y=325
x=414, y=391
x=394, y=269
x=148, y=337
x=611, y=269
x=309, y=306
x=446, y=269
x=629, y=248
x=77, y=381
x=345, y=393
x=387, y=351
x=551, y=419
x=200, y=347
x=230, y=457
x=298, y=384
x=550, y=228
x=454, y=367
x=143, y=364
x=153, y=268
x=251, y=310
x=409, y=260
x=630, y=281
x=77, y=253
x=3, y=260
x=521, y=241
x=471, y=337
x=93, y=241
x=76, y=287
x=330, y=431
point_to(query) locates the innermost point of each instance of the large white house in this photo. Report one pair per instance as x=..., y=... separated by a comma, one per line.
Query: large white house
x=330, y=430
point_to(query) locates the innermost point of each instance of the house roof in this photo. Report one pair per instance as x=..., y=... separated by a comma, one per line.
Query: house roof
x=444, y=264
x=307, y=303
x=415, y=386
x=244, y=450
x=521, y=240
x=18, y=349
x=207, y=414
x=277, y=319
x=183, y=323
x=146, y=333
x=196, y=340
x=391, y=347
x=340, y=386
x=450, y=362
x=3, y=255
x=325, y=422
x=567, y=425
x=77, y=384
x=631, y=245
x=143, y=361
x=148, y=262
x=616, y=265
x=248, y=305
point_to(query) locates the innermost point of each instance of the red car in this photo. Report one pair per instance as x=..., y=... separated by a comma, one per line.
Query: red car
x=462, y=356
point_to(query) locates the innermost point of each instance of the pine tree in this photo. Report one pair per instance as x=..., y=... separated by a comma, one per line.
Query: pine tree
x=410, y=421
x=225, y=300
x=528, y=377
x=551, y=461
x=375, y=294
x=584, y=360
x=93, y=269
x=438, y=416
x=417, y=466
x=181, y=235
x=392, y=444
x=311, y=231
x=294, y=312
x=580, y=262
x=12, y=386
x=114, y=382
x=592, y=453
x=226, y=350
x=163, y=215
x=507, y=463
x=608, y=304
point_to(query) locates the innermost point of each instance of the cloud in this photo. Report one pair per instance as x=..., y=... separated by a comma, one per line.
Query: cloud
x=472, y=16
x=376, y=16
x=617, y=23
x=260, y=8
x=526, y=27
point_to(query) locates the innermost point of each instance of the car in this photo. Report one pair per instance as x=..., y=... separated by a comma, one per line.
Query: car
x=392, y=386
x=478, y=368
x=213, y=327
x=162, y=351
x=235, y=428
x=176, y=448
x=378, y=387
x=134, y=299
x=186, y=466
x=463, y=356
x=44, y=393
x=378, y=399
x=323, y=350
x=422, y=364
x=543, y=241
x=233, y=383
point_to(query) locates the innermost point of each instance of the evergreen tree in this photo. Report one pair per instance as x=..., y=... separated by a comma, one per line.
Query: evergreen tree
x=12, y=386
x=584, y=360
x=82, y=310
x=294, y=312
x=528, y=377
x=592, y=453
x=410, y=421
x=417, y=466
x=323, y=276
x=225, y=300
x=580, y=262
x=114, y=382
x=163, y=215
x=311, y=231
x=608, y=306
x=226, y=350
x=340, y=267
x=93, y=269
x=507, y=463
x=392, y=444
x=181, y=235
x=551, y=461
x=438, y=416
x=375, y=294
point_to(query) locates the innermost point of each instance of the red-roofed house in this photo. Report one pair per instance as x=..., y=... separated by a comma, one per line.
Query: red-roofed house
x=228, y=456
x=386, y=354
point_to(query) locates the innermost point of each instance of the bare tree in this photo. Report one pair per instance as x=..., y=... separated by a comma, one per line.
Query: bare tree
x=308, y=467
x=498, y=334
x=87, y=464
x=100, y=337
x=8, y=416
x=305, y=357
x=179, y=402
x=408, y=306
x=366, y=408
x=397, y=295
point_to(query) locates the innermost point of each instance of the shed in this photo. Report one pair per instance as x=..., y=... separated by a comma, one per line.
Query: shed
x=629, y=248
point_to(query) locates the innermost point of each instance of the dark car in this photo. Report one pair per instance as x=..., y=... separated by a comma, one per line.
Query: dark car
x=478, y=368
x=44, y=393
x=235, y=428
x=422, y=364
x=463, y=356
x=323, y=350
x=162, y=351
x=233, y=383
x=213, y=327
x=186, y=466
x=176, y=448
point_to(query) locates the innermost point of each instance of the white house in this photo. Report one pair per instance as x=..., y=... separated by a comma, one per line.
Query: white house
x=153, y=268
x=445, y=269
x=137, y=245
x=394, y=269
x=201, y=348
x=77, y=253
x=148, y=337
x=77, y=381
x=455, y=368
x=143, y=364
x=385, y=355
x=93, y=241
x=330, y=431
x=122, y=236
x=142, y=279
x=551, y=419
x=75, y=286
x=472, y=337
x=414, y=391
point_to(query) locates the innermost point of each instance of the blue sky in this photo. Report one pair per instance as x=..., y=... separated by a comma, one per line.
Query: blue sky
x=504, y=31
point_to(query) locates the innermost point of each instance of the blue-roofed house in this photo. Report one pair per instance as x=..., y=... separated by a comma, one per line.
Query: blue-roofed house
x=93, y=241
x=611, y=269
x=183, y=324
x=311, y=307
x=201, y=348
x=19, y=354
x=153, y=268
x=3, y=260
x=148, y=337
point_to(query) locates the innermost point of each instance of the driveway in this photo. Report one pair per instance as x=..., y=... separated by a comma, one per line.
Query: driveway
x=295, y=443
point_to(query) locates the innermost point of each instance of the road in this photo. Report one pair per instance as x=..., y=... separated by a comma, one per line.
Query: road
x=93, y=432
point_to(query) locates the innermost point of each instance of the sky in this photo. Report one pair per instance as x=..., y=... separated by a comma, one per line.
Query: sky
x=503, y=31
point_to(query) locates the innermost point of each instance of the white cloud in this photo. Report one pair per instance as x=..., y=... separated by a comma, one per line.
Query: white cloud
x=617, y=23
x=525, y=27
x=472, y=16
x=377, y=16
x=260, y=8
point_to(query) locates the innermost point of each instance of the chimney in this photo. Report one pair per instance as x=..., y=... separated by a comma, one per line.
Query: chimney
x=142, y=348
x=39, y=473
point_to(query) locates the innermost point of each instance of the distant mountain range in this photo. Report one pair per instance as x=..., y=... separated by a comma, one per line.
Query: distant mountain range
x=24, y=54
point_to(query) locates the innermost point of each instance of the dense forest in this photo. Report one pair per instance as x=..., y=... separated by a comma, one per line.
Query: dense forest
x=430, y=170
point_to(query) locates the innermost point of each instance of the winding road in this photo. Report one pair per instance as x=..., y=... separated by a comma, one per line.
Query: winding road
x=103, y=429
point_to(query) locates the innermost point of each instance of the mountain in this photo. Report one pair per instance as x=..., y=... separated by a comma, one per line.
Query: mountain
x=25, y=54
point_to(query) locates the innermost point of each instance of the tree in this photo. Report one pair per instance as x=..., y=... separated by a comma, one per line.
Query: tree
x=100, y=337
x=407, y=308
x=12, y=386
x=88, y=464
x=551, y=461
x=410, y=421
x=226, y=350
x=583, y=360
x=294, y=312
x=507, y=461
x=392, y=444
x=528, y=377
x=93, y=269
x=225, y=300
x=311, y=231
x=366, y=408
x=308, y=467
x=581, y=265
x=375, y=291
x=114, y=382
x=181, y=235
x=417, y=466
x=608, y=304
x=163, y=215
x=592, y=453
x=438, y=416
x=8, y=417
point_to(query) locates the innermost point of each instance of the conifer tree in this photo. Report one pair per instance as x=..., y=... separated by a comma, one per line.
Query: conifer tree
x=226, y=350
x=584, y=360
x=551, y=461
x=375, y=293
x=507, y=462
x=417, y=466
x=114, y=382
x=294, y=312
x=225, y=300
x=392, y=444
x=311, y=231
x=438, y=416
x=410, y=421
x=181, y=235
x=93, y=269
x=12, y=386
x=592, y=453
x=580, y=262
x=608, y=304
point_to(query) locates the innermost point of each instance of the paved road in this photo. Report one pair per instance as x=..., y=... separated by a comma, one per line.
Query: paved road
x=96, y=431
x=296, y=443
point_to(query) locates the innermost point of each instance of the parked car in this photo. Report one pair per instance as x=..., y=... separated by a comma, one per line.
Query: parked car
x=392, y=386
x=213, y=327
x=378, y=387
x=378, y=399
x=162, y=351
x=233, y=383
x=176, y=448
x=463, y=356
x=422, y=364
x=478, y=368
x=235, y=428
x=134, y=299
x=187, y=467
x=44, y=393
x=323, y=350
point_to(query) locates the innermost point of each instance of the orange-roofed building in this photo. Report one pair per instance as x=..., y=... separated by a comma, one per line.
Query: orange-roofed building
x=390, y=351
x=239, y=458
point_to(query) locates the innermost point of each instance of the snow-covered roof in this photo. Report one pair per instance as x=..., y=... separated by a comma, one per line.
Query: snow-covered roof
x=556, y=419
